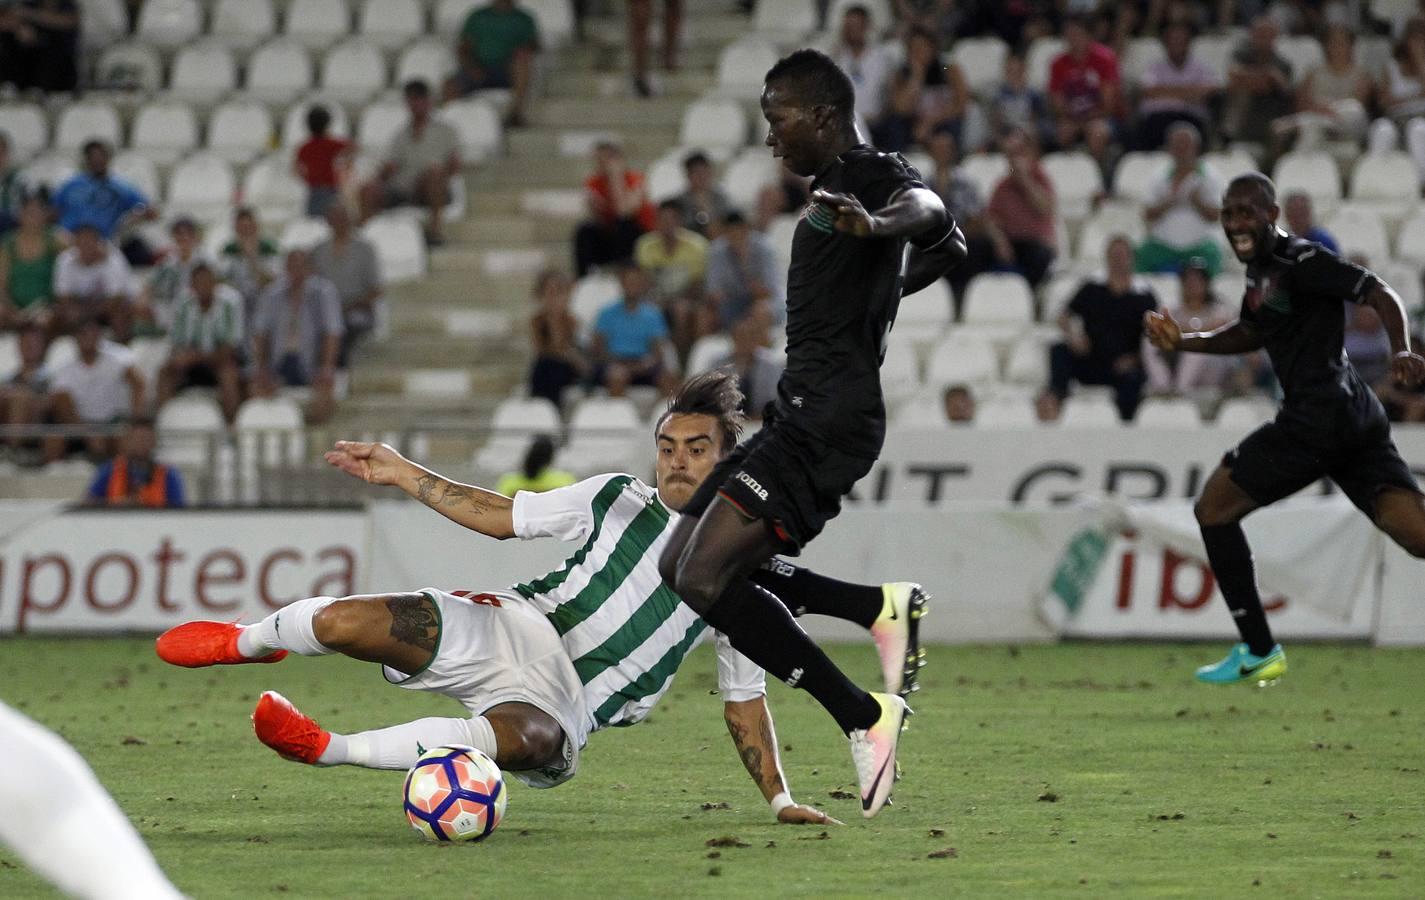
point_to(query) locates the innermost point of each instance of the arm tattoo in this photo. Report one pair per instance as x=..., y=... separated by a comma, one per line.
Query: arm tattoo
x=414, y=620
x=434, y=491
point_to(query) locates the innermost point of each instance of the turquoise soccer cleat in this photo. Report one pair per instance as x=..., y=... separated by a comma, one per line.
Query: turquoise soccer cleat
x=1241, y=664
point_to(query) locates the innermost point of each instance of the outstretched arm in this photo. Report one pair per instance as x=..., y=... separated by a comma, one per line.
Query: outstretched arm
x=1407, y=367
x=750, y=724
x=475, y=508
x=914, y=213
x=1232, y=338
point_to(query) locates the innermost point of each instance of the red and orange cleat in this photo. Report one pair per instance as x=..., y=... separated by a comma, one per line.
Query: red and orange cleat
x=286, y=729
x=194, y=645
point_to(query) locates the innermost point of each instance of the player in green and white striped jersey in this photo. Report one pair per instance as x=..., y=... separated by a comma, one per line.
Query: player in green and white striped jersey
x=592, y=644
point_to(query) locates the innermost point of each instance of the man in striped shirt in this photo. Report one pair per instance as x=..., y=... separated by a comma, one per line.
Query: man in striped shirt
x=593, y=644
x=204, y=340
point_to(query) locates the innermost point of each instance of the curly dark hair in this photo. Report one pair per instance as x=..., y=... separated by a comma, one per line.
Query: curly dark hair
x=713, y=394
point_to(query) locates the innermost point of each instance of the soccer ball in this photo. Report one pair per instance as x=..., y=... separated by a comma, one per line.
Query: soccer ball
x=454, y=793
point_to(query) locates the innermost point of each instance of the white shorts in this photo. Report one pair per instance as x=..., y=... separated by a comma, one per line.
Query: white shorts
x=494, y=648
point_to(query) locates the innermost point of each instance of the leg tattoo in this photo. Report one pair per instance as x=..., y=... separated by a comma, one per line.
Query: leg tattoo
x=414, y=621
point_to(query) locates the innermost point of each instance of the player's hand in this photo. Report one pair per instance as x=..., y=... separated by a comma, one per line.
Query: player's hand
x=372, y=463
x=1408, y=369
x=851, y=216
x=801, y=814
x=1162, y=331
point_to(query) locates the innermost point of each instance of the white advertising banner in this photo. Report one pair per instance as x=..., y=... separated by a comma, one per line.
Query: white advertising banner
x=113, y=570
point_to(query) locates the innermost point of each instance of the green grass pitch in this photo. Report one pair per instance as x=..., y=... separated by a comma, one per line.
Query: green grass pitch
x=1079, y=770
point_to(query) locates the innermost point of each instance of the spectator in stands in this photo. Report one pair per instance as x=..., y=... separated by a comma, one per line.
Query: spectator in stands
x=422, y=158
x=946, y=19
x=27, y=260
x=1183, y=210
x=320, y=160
x=704, y=204
x=1018, y=104
x=1365, y=340
x=1085, y=93
x=496, y=50
x=1402, y=95
x=1176, y=88
x=135, y=477
x=349, y=261
x=297, y=336
x=91, y=279
x=168, y=282
x=1331, y=99
x=205, y=341
x=249, y=259
x=559, y=360
x=1103, y=333
x=1300, y=218
x=959, y=403
x=675, y=259
x=537, y=473
x=1259, y=89
x=619, y=211
x=1200, y=310
x=865, y=62
x=102, y=386
x=12, y=188
x=640, y=19
x=744, y=278
x=1048, y=407
x=758, y=369
x=1022, y=211
x=962, y=200
x=25, y=395
x=39, y=45
x=925, y=94
x=631, y=344
x=109, y=204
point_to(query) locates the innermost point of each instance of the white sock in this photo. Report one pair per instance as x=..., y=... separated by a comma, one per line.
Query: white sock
x=290, y=628
x=398, y=746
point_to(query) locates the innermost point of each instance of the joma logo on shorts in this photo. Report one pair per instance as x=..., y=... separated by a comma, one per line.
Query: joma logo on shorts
x=752, y=483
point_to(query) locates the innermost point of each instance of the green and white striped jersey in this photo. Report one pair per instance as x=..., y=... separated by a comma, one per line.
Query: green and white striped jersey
x=220, y=325
x=625, y=630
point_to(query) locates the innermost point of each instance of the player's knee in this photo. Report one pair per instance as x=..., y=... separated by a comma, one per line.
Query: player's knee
x=341, y=624
x=534, y=741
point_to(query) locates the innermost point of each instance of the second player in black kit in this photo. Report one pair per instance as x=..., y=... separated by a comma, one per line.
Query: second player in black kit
x=1330, y=425
x=870, y=232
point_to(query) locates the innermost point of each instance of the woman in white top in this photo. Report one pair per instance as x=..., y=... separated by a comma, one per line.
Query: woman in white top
x=1332, y=98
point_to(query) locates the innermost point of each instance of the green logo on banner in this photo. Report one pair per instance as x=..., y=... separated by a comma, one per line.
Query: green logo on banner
x=1078, y=567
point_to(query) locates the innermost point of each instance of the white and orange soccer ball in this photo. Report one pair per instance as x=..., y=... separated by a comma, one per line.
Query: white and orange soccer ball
x=454, y=793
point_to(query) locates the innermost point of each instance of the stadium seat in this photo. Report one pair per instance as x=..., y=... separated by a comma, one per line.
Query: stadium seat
x=717, y=125
x=923, y=316
x=1058, y=291
x=169, y=24
x=1076, y=179
x=317, y=23
x=985, y=170
x=1042, y=53
x=139, y=170
x=1312, y=171
x=202, y=186
x=1389, y=182
x=186, y=426
x=9, y=352
x=1410, y=242
x=900, y=372
x=51, y=170
x=780, y=233
x=1028, y=362
x=554, y=19
x=752, y=170
x=665, y=178
x=922, y=410
x=379, y=124
x=239, y=131
x=1230, y=163
x=982, y=60
x=105, y=22
x=1014, y=410
x=294, y=126
x=278, y=71
x=1244, y=413
x=1405, y=279
x=450, y=14
x=1214, y=51
x=515, y=422
x=390, y=23
x=430, y=60
x=478, y=124
x=784, y=21
x=1358, y=229
x=1103, y=225
x=164, y=132
x=203, y=73
x=1138, y=174
x=961, y=357
x=25, y=125
x=1089, y=409
x=129, y=67
x=243, y=24
x=84, y=121
x=1303, y=51
x=150, y=353
x=353, y=71
x=400, y=246
x=706, y=351
x=271, y=187
x=1167, y=412
x=1139, y=56
x=591, y=294
x=603, y=433
x=304, y=233
x=998, y=300
x=271, y=431
x=741, y=65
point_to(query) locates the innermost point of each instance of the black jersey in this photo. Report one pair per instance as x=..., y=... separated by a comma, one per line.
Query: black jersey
x=1296, y=298
x=842, y=295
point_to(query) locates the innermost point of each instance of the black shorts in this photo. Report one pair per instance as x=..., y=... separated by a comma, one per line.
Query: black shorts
x=786, y=477
x=1277, y=460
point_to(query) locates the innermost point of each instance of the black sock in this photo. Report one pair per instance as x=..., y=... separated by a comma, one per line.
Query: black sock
x=804, y=591
x=763, y=630
x=1231, y=561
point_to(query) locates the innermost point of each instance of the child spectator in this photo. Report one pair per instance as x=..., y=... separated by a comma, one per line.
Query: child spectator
x=319, y=162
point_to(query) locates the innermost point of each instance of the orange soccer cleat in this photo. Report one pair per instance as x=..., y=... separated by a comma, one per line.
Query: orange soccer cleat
x=194, y=645
x=286, y=729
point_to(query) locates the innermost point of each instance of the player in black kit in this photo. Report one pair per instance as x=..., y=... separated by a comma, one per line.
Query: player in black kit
x=870, y=232
x=1330, y=423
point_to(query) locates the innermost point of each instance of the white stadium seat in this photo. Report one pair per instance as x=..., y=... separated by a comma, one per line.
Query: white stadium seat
x=294, y=126
x=271, y=187
x=105, y=21
x=900, y=372
x=140, y=171
x=203, y=73
x=784, y=20
x=353, y=71
x=1244, y=413
x=390, y=23
x=1076, y=179
x=27, y=129
x=84, y=121
x=780, y=234
x=515, y=422
x=185, y=425
x=982, y=60
x=923, y=316
x=1138, y=174
x=1358, y=229
x=400, y=246
x=741, y=65
x=1303, y=52
x=1389, y=182
x=1312, y=171
x=9, y=352
x=1042, y=53
x=554, y=19
x=998, y=299
x=706, y=351
x=1058, y=291
x=961, y=357
x=430, y=60
x=985, y=170
x=602, y=435
x=243, y=24
x=1167, y=412
x=1089, y=409
x=129, y=67
x=51, y=170
x=164, y=132
x=1012, y=410
x=304, y=233
x=450, y=14
x=278, y=71
x=1028, y=362
x=714, y=124
x=1139, y=56
x=591, y=294
x=1214, y=51
x=478, y=124
x=1410, y=242
x=665, y=177
x=1230, y=163
x=752, y=170
x=379, y=124
x=1102, y=226
x=239, y=131
x=169, y=24
x=271, y=431
x=202, y=186
x=317, y=23
x=1404, y=278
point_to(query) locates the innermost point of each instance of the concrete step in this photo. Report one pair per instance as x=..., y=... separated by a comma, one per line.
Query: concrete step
x=686, y=83
x=611, y=113
x=641, y=142
x=495, y=380
x=493, y=229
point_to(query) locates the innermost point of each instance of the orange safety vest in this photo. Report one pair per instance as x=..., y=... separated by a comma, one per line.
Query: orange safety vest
x=153, y=494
